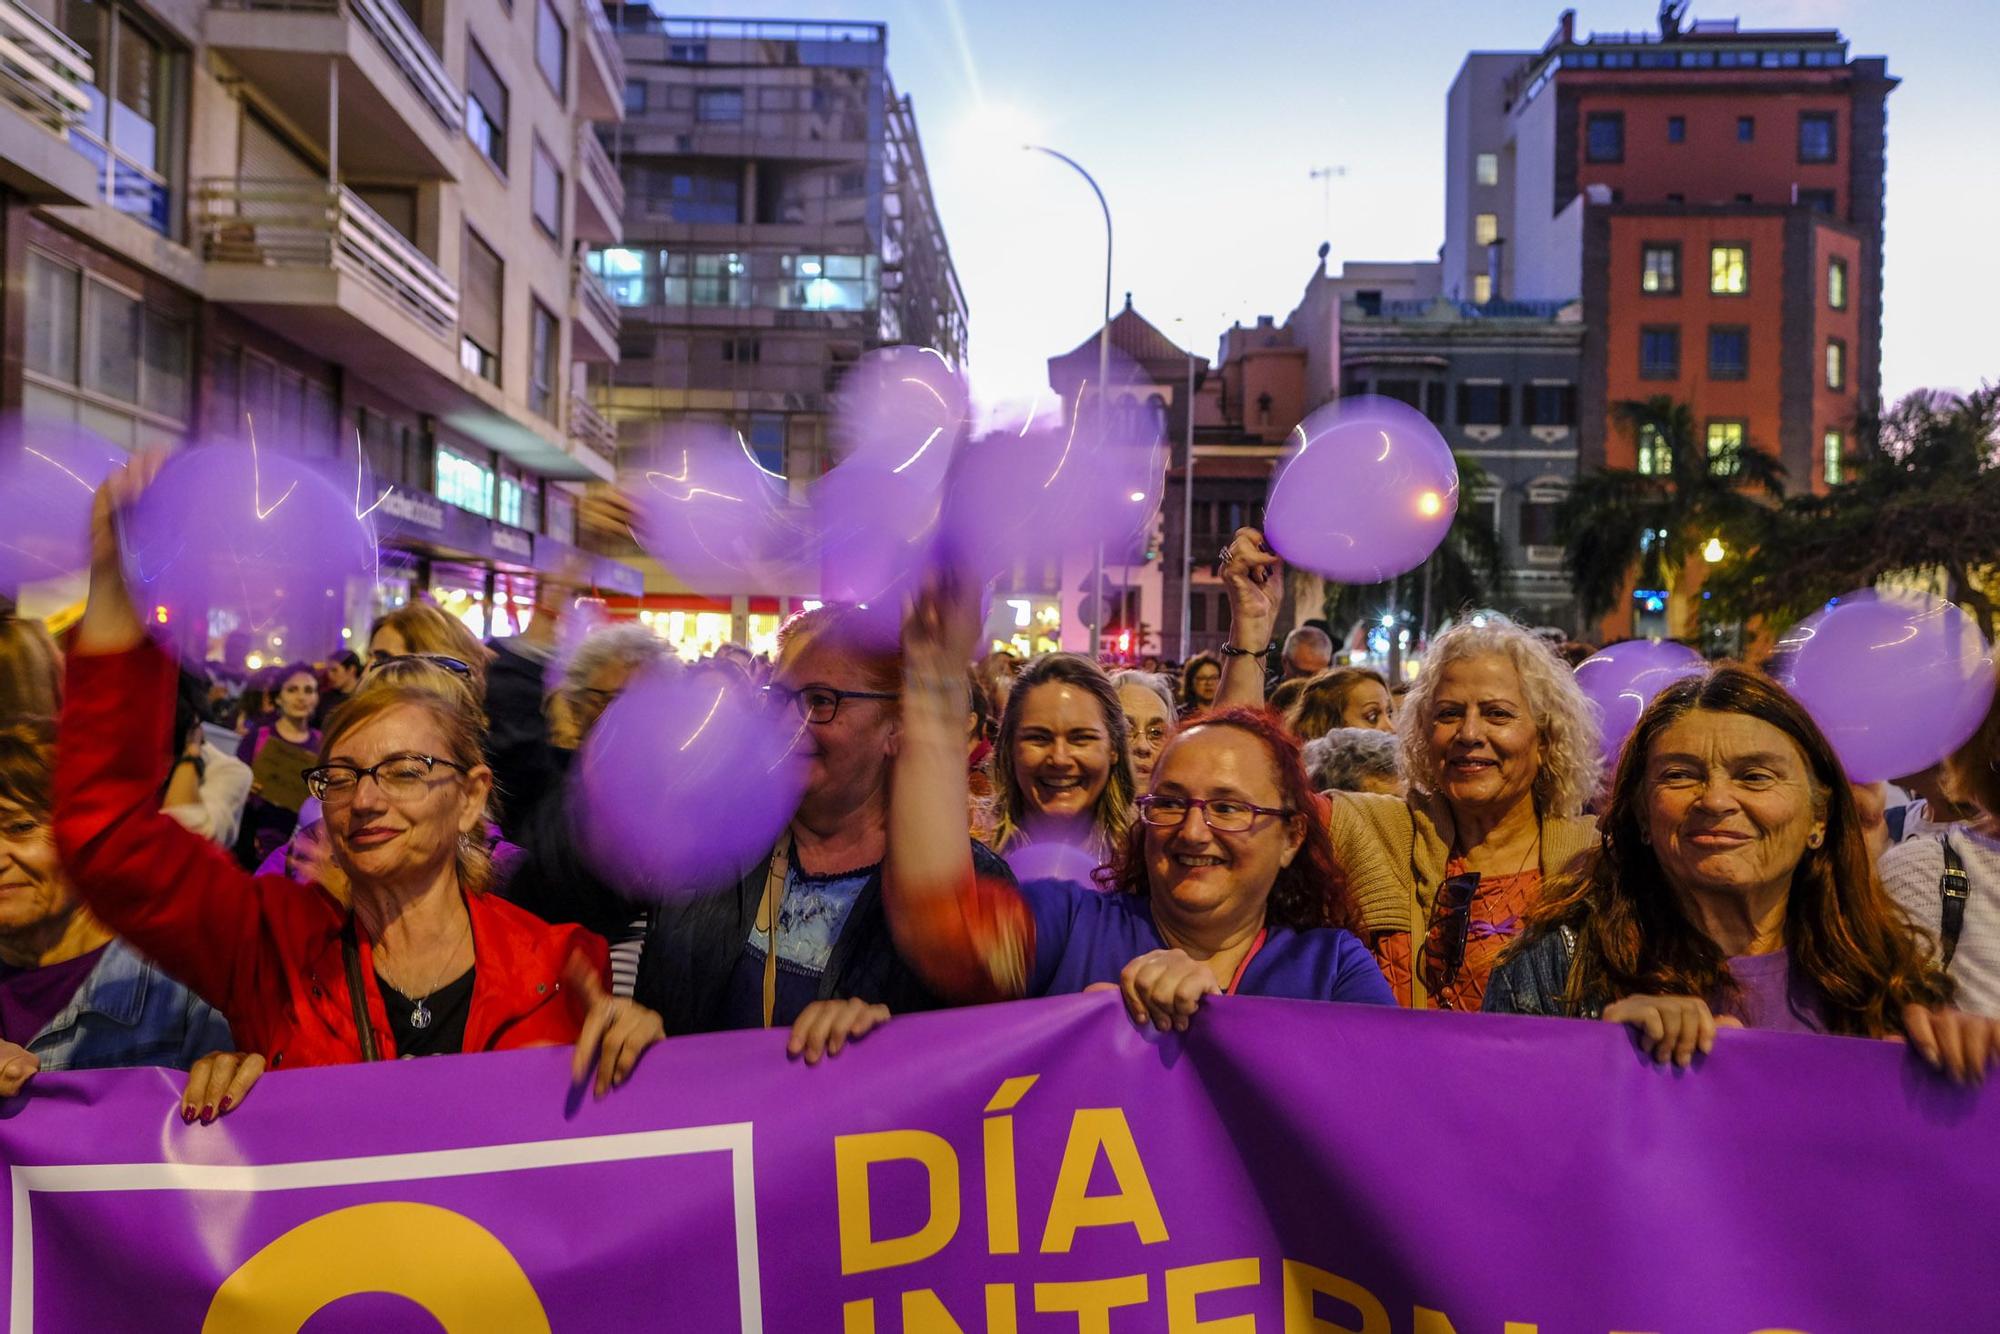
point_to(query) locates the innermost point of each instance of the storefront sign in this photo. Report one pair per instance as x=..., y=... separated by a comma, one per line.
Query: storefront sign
x=413, y=509
x=513, y=542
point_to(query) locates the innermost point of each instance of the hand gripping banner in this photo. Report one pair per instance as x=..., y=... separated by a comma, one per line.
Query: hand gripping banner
x=1283, y=1167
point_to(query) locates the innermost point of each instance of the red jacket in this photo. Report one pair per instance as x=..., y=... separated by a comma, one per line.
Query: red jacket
x=264, y=950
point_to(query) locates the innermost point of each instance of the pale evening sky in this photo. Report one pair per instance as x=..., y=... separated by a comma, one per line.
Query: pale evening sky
x=1202, y=123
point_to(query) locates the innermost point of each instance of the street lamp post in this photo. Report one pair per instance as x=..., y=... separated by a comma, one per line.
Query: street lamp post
x=1103, y=374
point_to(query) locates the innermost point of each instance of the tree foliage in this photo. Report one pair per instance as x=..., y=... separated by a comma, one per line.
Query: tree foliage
x=1924, y=501
x=1620, y=522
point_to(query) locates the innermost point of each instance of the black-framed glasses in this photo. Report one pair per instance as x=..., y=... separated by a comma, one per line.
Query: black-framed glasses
x=456, y=666
x=1443, y=946
x=818, y=703
x=1225, y=815
x=400, y=777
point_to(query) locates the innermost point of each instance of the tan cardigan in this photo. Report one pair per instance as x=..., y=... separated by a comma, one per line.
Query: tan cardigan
x=1394, y=853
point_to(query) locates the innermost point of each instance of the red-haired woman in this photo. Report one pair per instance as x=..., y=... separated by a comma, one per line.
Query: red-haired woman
x=1225, y=884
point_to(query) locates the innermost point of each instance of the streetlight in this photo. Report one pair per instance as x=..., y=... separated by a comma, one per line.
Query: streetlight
x=1713, y=552
x=1103, y=374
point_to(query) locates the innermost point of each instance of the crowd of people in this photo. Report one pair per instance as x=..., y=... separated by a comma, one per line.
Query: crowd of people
x=388, y=861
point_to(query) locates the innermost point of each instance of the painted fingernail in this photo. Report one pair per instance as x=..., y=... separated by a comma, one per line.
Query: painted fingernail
x=207, y=1113
x=187, y=1114
x=226, y=1103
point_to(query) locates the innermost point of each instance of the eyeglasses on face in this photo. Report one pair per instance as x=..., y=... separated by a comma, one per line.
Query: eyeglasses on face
x=1224, y=815
x=401, y=777
x=818, y=703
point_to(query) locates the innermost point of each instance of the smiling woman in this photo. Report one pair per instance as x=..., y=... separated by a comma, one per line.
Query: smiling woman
x=1062, y=766
x=1733, y=885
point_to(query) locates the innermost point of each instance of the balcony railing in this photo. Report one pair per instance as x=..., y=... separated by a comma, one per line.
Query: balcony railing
x=588, y=428
x=1444, y=308
x=391, y=27
x=599, y=28
x=594, y=162
x=591, y=296
x=313, y=225
x=42, y=72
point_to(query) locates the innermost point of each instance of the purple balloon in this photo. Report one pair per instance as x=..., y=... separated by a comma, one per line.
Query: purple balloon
x=1896, y=681
x=232, y=539
x=875, y=529
x=715, y=518
x=1621, y=679
x=1053, y=861
x=1367, y=492
x=686, y=781
x=901, y=409
x=49, y=473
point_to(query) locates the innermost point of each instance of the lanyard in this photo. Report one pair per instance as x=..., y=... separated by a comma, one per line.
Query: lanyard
x=1244, y=966
x=767, y=921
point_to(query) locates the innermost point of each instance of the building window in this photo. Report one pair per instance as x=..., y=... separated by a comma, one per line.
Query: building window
x=545, y=336
x=1485, y=228
x=1729, y=270
x=112, y=330
x=1483, y=404
x=635, y=96
x=1822, y=202
x=125, y=128
x=1677, y=129
x=688, y=53
x=55, y=298
x=1660, y=268
x=464, y=482
x=1836, y=284
x=1836, y=364
x=552, y=48
x=481, y=279
x=1486, y=168
x=1746, y=129
x=1549, y=405
x=623, y=272
x=1728, y=352
x=767, y=440
x=743, y=351
x=1604, y=136
x=1538, y=523
x=1656, y=456
x=511, y=493
x=1725, y=447
x=1817, y=137
x=1833, y=456
x=547, y=191
x=719, y=106
x=558, y=513
x=1482, y=288
x=1660, y=353
x=485, y=107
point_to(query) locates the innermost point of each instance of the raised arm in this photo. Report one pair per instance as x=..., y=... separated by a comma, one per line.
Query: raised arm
x=1250, y=575
x=969, y=938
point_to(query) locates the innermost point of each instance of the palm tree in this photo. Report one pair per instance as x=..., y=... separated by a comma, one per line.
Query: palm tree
x=1651, y=521
x=1465, y=571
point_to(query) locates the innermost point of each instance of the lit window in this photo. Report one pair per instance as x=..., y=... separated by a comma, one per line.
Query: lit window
x=1836, y=364
x=1725, y=447
x=464, y=482
x=1487, y=168
x=1482, y=288
x=1485, y=228
x=1836, y=284
x=510, y=502
x=1660, y=271
x=1656, y=457
x=1729, y=270
x=1833, y=452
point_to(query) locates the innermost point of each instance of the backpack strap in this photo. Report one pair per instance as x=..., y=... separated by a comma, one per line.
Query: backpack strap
x=1953, y=888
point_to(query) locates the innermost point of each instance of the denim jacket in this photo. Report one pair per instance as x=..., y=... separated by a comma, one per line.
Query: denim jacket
x=1534, y=978
x=128, y=1012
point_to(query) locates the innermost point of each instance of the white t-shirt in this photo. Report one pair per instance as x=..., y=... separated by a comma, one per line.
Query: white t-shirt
x=1912, y=871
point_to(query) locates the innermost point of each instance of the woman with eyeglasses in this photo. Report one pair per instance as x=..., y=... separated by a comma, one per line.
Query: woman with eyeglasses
x=1500, y=751
x=1734, y=887
x=1223, y=885
x=420, y=961
x=1147, y=699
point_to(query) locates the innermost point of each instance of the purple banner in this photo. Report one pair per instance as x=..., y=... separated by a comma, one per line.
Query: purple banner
x=1034, y=1167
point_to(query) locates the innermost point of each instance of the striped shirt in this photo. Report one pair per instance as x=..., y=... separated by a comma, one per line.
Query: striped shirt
x=1912, y=871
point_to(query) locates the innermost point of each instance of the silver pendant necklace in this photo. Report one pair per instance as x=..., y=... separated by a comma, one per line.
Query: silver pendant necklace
x=420, y=1011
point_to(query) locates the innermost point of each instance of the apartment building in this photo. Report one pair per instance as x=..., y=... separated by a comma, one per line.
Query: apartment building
x=778, y=223
x=356, y=228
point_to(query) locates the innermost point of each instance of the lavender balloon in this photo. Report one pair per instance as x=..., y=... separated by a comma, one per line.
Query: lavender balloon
x=713, y=516
x=874, y=530
x=901, y=409
x=230, y=538
x=49, y=472
x=1052, y=861
x=1621, y=679
x=1896, y=681
x=1367, y=492
x=686, y=781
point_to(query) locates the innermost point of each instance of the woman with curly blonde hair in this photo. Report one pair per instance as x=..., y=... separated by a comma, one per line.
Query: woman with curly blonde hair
x=1500, y=749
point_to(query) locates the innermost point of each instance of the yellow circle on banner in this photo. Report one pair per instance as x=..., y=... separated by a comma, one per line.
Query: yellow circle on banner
x=444, y=1262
